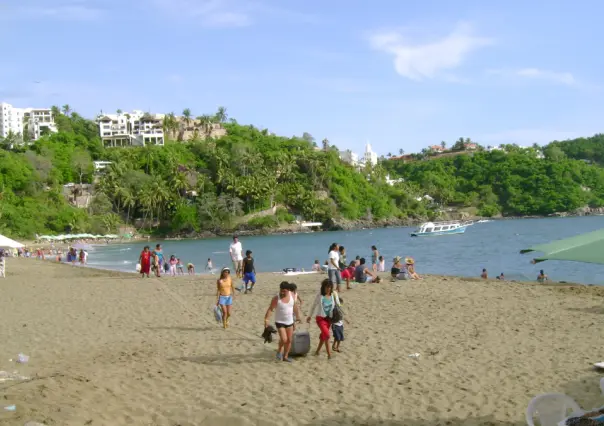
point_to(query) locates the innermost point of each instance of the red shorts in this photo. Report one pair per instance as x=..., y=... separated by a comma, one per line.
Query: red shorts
x=346, y=274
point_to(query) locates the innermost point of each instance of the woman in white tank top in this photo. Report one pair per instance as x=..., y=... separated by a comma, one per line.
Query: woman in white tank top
x=283, y=304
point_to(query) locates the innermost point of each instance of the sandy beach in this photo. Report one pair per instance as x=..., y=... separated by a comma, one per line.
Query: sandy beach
x=109, y=348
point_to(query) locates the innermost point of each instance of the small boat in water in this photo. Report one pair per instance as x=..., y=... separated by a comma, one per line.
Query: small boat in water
x=440, y=228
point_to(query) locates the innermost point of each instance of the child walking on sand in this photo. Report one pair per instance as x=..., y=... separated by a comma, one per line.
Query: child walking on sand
x=338, y=329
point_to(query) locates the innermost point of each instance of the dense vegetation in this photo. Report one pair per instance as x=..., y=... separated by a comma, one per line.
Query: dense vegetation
x=218, y=184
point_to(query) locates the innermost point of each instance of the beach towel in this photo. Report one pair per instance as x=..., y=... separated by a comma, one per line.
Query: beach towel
x=217, y=313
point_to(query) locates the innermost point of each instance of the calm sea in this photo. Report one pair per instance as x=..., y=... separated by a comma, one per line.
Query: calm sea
x=493, y=245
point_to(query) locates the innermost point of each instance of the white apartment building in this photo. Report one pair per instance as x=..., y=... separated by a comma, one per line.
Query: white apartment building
x=39, y=121
x=135, y=128
x=13, y=120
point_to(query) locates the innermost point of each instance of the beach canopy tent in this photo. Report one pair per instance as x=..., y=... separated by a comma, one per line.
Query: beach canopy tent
x=6, y=242
x=588, y=248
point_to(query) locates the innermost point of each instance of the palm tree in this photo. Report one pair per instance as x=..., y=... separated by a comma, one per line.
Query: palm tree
x=55, y=111
x=221, y=115
x=443, y=144
x=401, y=151
x=207, y=124
x=119, y=111
x=389, y=155
x=66, y=109
x=325, y=143
x=186, y=114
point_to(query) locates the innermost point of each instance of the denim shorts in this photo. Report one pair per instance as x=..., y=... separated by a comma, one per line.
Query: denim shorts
x=225, y=300
x=338, y=332
x=334, y=276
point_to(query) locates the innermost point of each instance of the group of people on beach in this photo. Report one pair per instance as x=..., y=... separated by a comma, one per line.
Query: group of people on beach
x=357, y=270
x=155, y=261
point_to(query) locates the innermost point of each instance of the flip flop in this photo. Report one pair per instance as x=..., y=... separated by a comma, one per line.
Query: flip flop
x=279, y=356
x=288, y=360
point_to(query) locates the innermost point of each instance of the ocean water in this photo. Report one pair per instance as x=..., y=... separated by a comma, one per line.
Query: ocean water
x=493, y=245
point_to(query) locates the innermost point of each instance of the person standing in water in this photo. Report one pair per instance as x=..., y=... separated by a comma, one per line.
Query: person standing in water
x=375, y=254
x=158, y=255
x=225, y=293
x=209, y=266
x=145, y=262
x=284, y=305
x=249, y=271
x=236, y=252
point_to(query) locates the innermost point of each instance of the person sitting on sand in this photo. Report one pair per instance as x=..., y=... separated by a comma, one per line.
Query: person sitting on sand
x=542, y=277
x=191, y=269
x=362, y=274
x=284, y=304
x=398, y=270
x=411, y=269
x=501, y=277
x=316, y=267
x=484, y=274
x=225, y=293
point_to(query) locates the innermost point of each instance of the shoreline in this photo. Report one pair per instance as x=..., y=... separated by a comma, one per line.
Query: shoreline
x=385, y=276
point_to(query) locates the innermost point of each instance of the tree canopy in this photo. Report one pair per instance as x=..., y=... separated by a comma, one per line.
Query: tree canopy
x=219, y=184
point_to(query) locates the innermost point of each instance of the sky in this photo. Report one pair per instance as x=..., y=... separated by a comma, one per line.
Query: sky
x=399, y=74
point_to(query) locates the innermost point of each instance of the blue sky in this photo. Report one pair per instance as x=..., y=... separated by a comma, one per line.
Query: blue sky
x=400, y=74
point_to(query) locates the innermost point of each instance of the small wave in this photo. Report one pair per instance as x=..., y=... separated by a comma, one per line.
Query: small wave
x=127, y=262
x=126, y=249
x=219, y=252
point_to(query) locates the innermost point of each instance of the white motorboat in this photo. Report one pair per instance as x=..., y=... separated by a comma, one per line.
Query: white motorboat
x=441, y=228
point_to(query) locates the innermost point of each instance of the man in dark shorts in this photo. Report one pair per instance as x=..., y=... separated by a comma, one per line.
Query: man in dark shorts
x=249, y=271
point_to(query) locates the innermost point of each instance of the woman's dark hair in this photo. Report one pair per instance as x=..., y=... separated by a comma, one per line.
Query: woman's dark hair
x=332, y=247
x=381, y=258
x=284, y=285
x=146, y=247
x=373, y=248
x=327, y=283
x=353, y=263
x=293, y=287
x=341, y=249
x=358, y=257
x=541, y=272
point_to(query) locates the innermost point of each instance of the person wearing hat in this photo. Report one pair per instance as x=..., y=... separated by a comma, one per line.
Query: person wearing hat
x=225, y=293
x=411, y=269
x=398, y=270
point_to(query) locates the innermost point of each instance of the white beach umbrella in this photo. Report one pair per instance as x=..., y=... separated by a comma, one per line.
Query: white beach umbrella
x=6, y=242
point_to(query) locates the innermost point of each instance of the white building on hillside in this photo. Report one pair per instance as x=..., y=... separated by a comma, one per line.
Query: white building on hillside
x=11, y=120
x=349, y=157
x=14, y=120
x=39, y=122
x=370, y=157
x=136, y=128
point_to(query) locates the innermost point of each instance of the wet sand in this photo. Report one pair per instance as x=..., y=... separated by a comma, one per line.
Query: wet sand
x=108, y=348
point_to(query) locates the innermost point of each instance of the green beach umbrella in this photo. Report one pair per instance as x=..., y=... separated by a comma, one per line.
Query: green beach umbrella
x=587, y=248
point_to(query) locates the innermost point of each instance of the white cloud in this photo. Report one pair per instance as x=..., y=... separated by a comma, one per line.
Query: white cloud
x=564, y=78
x=419, y=61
